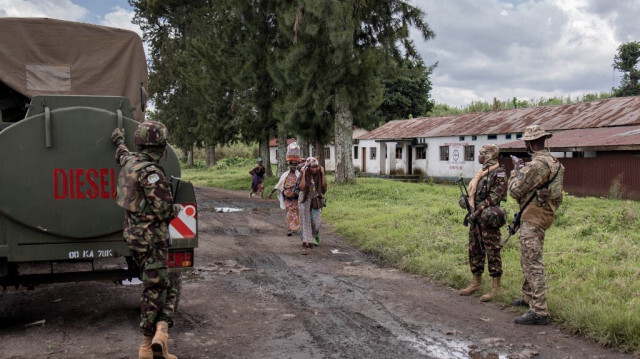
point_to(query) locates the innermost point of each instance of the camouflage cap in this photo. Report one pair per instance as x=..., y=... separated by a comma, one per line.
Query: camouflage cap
x=534, y=132
x=151, y=133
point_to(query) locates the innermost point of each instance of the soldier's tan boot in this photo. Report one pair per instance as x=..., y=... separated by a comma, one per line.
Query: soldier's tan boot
x=145, y=351
x=473, y=286
x=160, y=342
x=494, y=290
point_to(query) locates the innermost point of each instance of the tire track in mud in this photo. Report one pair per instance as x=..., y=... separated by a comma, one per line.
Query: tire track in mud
x=348, y=320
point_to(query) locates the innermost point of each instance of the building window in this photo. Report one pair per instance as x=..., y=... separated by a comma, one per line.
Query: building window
x=421, y=153
x=461, y=138
x=372, y=153
x=444, y=153
x=507, y=136
x=327, y=153
x=492, y=137
x=398, y=153
x=355, y=152
x=469, y=153
x=473, y=138
x=276, y=155
x=518, y=135
x=313, y=151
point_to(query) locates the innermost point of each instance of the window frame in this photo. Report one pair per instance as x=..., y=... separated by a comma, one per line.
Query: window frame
x=470, y=153
x=444, y=153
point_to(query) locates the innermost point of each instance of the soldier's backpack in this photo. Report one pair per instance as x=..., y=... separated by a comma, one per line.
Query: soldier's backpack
x=552, y=190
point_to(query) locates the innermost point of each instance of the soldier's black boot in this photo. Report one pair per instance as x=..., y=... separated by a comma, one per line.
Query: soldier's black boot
x=531, y=318
x=521, y=302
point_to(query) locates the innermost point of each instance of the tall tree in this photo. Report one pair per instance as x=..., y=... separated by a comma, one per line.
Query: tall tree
x=406, y=91
x=254, y=35
x=167, y=26
x=340, y=49
x=626, y=61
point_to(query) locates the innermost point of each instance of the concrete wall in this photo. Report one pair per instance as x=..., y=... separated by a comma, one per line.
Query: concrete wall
x=432, y=166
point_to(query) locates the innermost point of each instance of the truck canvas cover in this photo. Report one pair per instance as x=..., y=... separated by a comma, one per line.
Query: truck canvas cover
x=46, y=56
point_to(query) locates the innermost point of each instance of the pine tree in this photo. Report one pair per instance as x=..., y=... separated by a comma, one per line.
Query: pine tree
x=334, y=66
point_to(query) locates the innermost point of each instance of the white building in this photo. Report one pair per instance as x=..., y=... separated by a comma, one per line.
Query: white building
x=447, y=147
x=329, y=150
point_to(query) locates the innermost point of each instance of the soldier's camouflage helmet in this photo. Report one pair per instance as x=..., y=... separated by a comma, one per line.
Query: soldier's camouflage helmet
x=151, y=133
x=493, y=217
x=534, y=132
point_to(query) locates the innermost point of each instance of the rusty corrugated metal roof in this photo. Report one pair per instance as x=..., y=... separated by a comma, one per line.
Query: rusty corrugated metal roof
x=620, y=111
x=621, y=137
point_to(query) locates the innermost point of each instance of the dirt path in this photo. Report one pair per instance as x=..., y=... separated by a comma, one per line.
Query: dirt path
x=253, y=295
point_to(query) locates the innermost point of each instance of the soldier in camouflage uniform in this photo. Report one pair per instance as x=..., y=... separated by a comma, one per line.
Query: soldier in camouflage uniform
x=144, y=192
x=533, y=179
x=486, y=190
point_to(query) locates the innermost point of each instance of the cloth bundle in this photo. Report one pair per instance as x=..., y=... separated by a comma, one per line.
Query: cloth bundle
x=293, y=152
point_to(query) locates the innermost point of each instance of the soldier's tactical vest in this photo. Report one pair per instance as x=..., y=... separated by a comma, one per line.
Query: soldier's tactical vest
x=493, y=217
x=130, y=195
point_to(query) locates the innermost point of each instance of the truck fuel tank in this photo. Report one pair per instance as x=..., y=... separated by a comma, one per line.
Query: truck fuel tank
x=58, y=169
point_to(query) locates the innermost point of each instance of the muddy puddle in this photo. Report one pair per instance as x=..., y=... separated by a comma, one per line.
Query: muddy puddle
x=433, y=345
x=236, y=209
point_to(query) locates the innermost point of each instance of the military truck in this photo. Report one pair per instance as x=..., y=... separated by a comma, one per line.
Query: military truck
x=64, y=87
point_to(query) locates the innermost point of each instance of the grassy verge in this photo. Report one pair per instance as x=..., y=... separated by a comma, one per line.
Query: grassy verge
x=591, y=251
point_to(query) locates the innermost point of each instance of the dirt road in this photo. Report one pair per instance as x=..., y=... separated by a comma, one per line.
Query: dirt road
x=253, y=295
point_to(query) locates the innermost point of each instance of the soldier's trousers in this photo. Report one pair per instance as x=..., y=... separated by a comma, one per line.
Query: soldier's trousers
x=491, y=242
x=535, y=284
x=158, y=298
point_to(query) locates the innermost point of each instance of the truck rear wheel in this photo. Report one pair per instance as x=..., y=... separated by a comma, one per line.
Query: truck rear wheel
x=176, y=281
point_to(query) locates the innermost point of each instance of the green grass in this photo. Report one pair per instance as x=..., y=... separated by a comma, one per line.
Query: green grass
x=591, y=252
x=229, y=173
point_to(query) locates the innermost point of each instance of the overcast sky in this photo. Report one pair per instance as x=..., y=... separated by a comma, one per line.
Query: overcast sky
x=484, y=48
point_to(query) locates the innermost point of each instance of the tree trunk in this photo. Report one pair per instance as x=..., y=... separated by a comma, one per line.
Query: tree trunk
x=210, y=155
x=282, y=153
x=190, y=157
x=304, y=147
x=343, y=141
x=264, y=153
x=320, y=153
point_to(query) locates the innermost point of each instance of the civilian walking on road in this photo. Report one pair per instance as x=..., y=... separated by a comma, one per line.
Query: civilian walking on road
x=313, y=185
x=257, y=185
x=287, y=191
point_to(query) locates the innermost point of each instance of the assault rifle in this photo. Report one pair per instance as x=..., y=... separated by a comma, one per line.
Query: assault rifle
x=515, y=223
x=468, y=219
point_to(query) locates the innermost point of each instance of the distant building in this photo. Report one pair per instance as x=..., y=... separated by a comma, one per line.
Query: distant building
x=596, y=135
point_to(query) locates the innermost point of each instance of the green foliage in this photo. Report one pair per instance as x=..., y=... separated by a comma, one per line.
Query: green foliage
x=230, y=173
x=590, y=253
x=406, y=91
x=441, y=110
x=626, y=61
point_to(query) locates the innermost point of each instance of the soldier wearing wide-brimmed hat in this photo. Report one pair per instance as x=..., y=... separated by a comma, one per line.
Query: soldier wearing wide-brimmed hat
x=541, y=181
